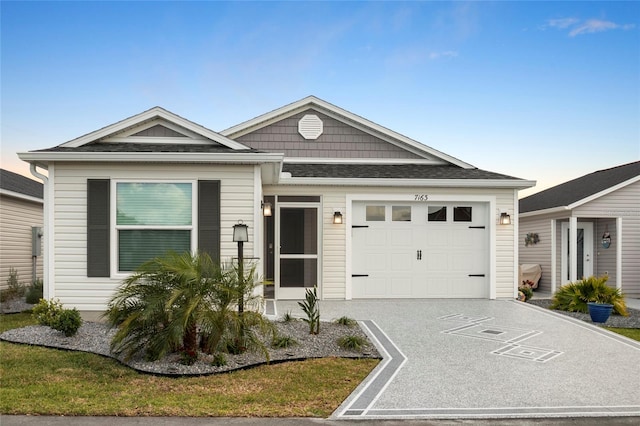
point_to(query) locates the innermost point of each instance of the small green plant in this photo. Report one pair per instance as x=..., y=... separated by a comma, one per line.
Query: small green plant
x=526, y=290
x=280, y=342
x=14, y=288
x=345, y=320
x=34, y=292
x=287, y=317
x=575, y=296
x=351, y=342
x=219, y=359
x=311, y=308
x=46, y=312
x=68, y=321
x=188, y=357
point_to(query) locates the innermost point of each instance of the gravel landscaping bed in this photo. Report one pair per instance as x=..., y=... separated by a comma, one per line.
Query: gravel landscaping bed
x=95, y=337
x=631, y=321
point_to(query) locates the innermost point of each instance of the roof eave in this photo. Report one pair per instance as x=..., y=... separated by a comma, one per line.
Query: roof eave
x=44, y=158
x=442, y=183
x=20, y=196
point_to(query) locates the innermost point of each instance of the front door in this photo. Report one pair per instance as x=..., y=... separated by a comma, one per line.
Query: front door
x=298, y=248
x=584, y=250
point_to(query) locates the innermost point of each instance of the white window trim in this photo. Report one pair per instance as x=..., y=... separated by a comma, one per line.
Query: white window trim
x=113, y=231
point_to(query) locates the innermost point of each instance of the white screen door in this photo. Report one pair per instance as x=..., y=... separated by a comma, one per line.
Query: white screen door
x=584, y=248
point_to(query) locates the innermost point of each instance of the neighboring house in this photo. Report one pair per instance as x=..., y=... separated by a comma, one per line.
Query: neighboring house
x=587, y=226
x=21, y=210
x=356, y=209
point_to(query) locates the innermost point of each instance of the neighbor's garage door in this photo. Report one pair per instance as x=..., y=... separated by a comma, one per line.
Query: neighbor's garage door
x=419, y=250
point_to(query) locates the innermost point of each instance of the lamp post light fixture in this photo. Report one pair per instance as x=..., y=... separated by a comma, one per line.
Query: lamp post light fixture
x=240, y=235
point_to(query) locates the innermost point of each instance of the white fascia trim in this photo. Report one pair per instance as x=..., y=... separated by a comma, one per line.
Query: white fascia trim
x=604, y=192
x=159, y=157
x=372, y=161
x=21, y=196
x=151, y=114
x=448, y=183
x=338, y=113
x=545, y=211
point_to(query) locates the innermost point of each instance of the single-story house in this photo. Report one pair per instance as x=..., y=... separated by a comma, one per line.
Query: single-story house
x=21, y=220
x=587, y=226
x=356, y=209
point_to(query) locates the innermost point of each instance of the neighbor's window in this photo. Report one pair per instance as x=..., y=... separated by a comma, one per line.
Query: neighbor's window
x=437, y=213
x=401, y=213
x=375, y=214
x=462, y=214
x=152, y=219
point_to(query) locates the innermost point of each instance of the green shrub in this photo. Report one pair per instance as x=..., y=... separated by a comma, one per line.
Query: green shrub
x=188, y=357
x=574, y=297
x=46, y=312
x=279, y=342
x=312, y=310
x=526, y=290
x=344, y=320
x=351, y=342
x=287, y=317
x=68, y=321
x=219, y=360
x=34, y=293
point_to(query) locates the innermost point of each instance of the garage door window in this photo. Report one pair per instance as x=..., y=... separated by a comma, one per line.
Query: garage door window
x=462, y=214
x=375, y=214
x=401, y=213
x=437, y=214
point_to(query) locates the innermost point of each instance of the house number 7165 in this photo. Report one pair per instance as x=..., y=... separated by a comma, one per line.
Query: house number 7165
x=421, y=197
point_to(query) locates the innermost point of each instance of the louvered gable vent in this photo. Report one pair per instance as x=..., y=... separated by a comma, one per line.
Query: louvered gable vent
x=310, y=126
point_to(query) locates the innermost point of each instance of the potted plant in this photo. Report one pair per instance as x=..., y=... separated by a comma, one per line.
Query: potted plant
x=599, y=312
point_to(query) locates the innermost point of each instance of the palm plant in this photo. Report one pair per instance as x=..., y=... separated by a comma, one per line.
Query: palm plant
x=172, y=301
x=575, y=296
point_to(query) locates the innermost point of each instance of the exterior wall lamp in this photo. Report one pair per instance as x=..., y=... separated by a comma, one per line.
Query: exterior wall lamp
x=337, y=218
x=266, y=209
x=505, y=219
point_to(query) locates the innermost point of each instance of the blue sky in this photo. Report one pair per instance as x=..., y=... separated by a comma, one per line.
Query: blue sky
x=546, y=91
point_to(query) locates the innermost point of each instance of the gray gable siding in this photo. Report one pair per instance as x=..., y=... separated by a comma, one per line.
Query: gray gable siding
x=338, y=140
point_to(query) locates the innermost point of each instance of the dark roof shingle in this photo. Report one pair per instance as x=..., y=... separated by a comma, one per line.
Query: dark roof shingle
x=14, y=182
x=388, y=171
x=578, y=189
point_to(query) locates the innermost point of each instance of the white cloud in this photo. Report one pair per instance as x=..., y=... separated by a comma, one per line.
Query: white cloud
x=590, y=26
x=445, y=54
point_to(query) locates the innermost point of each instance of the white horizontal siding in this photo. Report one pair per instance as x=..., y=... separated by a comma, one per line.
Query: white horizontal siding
x=72, y=286
x=334, y=259
x=17, y=216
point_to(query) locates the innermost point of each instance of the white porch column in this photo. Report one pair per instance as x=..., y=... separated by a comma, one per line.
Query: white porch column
x=573, y=253
x=554, y=266
x=619, y=253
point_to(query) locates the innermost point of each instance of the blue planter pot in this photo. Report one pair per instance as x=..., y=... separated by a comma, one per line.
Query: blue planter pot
x=599, y=312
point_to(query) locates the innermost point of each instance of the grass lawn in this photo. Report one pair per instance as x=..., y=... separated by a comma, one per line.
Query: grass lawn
x=632, y=333
x=37, y=380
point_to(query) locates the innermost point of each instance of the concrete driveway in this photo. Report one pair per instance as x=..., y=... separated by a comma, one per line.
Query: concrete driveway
x=448, y=359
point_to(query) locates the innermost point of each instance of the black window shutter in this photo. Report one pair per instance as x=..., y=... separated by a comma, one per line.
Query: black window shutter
x=98, y=252
x=209, y=218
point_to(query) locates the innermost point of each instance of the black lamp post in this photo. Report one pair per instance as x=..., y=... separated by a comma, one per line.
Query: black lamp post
x=240, y=235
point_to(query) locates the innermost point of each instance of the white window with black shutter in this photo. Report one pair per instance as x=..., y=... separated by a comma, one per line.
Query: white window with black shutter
x=131, y=222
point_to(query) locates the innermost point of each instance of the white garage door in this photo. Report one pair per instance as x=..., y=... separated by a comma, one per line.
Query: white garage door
x=420, y=250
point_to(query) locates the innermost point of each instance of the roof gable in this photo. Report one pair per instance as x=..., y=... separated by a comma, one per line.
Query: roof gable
x=157, y=126
x=583, y=189
x=310, y=104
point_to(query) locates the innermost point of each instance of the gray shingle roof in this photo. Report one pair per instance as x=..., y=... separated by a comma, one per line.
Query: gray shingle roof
x=147, y=147
x=389, y=171
x=14, y=182
x=578, y=189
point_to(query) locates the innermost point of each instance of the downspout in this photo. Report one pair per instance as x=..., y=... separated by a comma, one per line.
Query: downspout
x=46, y=288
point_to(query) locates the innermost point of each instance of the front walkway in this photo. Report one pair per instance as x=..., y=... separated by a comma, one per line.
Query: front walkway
x=486, y=359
